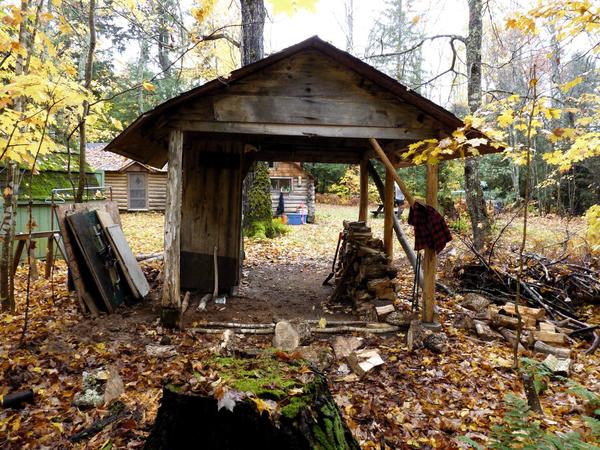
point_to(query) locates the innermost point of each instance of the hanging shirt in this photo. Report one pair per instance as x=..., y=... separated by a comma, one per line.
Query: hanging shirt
x=399, y=194
x=431, y=230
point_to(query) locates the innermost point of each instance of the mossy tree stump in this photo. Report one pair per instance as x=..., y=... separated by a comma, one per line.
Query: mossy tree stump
x=268, y=402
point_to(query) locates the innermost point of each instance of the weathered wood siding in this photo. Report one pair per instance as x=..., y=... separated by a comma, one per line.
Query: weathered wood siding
x=157, y=191
x=118, y=183
x=300, y=186
x=306, y=94
x=156, y=186
x=211, y=214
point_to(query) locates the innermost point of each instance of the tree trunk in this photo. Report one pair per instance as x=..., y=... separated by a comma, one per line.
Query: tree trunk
x=86, y=106
x=252, y=49
x=7, y=232
x=476, y=207
x=253, y=23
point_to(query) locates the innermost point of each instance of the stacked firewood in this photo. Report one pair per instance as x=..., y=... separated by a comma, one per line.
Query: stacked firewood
x=492, y=322
x=364, y=275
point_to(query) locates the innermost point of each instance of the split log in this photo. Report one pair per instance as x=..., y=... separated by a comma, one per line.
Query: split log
x=511, y=338
x=549, y=338
x=503, y=321
x=253, y=412
x=542, y=347
x=534, y=313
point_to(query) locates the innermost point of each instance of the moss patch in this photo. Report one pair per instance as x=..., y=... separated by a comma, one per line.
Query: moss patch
x=266, y=376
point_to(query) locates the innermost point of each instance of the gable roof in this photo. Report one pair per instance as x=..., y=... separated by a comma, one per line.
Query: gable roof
x=447, y=121
x=100, y=159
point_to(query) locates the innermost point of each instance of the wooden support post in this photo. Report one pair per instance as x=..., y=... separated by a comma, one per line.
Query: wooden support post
x=363, y=211
x=430, y=262
x=49, y=257
x=388, y=221
x=171, y=302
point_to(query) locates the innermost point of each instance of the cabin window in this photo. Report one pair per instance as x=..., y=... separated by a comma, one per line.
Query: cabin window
x=281, y=184
x=138, y=190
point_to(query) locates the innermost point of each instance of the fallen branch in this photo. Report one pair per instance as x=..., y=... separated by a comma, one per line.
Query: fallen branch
x=119, y=413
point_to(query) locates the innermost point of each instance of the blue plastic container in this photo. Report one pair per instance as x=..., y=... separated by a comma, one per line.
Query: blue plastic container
x=296, y=219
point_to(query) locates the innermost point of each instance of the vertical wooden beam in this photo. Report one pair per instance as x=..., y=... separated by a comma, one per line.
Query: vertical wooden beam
x=430, y=263
x=171, y=302
x=388, y=221
x=363, y=211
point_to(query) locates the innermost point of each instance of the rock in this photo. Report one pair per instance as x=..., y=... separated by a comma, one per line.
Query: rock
x=303, y=329
x=558, y=366
x=485, y=333
x=320, y=357
x=100, y=387
x=114, y=385
x=161, y=351
x=475, y=302
x=344, y=346
x=401, y=318
x=436, y=342
x=286, y=337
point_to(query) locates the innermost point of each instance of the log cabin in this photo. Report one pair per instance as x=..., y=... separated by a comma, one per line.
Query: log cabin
x=135, y=186
x=311, y=102
x=297, y=186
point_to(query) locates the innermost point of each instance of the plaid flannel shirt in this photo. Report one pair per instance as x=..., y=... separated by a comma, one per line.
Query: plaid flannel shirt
x=431, y=230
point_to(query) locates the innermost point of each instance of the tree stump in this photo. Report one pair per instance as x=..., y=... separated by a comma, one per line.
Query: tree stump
x=264, y=402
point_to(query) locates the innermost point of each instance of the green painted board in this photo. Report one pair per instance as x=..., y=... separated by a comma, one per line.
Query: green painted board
x=99, y=257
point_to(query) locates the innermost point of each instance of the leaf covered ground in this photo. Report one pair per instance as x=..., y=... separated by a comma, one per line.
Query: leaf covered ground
x=415, y=400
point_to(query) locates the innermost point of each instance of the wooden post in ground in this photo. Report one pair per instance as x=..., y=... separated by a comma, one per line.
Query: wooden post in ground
x=430, y=263
x=363, y=211
x=171, y=302
x=388, y=221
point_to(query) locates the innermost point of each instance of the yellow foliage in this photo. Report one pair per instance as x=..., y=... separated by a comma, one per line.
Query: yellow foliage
x=289, y=7
x=592, y=217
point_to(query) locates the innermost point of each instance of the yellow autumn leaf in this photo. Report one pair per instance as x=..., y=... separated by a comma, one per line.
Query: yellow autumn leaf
x=506, y=118
x=566, y=87
x=262, y=405
x=148, y=86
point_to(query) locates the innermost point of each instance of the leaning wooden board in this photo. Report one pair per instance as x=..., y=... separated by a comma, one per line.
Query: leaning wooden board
x=129, y=265
x=72, y=254
x=73, y=258
x=98, y=256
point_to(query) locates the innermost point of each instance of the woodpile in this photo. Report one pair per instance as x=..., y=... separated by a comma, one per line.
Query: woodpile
x=554, y=288
x=364, y=276
x=491, y=322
